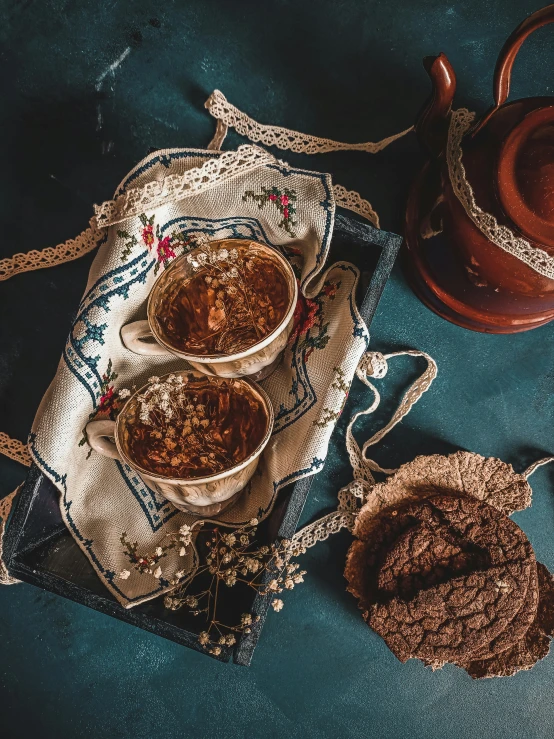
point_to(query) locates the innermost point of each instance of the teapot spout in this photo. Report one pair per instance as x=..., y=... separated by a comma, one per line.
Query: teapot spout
x=432, y=124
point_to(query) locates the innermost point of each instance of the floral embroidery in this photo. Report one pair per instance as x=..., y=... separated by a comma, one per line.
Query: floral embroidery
x=162, y=248
x=109, y=404
x=308, y=328
x=148, y=564
x=283, y=200
x=339, y=384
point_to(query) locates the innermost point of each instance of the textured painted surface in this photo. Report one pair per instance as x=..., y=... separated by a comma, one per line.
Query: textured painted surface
x=87, y=89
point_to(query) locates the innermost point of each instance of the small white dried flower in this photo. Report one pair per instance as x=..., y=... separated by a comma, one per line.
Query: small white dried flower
x=277, y=604
x=273, y=585
x=158, y=572
x=179, y=574
x=159, y=551
x=252, y=564
x=182, y=552
x=204, y=638
x=246, y=619
x=124, y=392
x=154, y=379
x=253, y=522
x=215, y=650
x=124, y=575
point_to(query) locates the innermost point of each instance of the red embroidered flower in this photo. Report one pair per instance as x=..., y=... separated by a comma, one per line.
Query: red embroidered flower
x=107, y=402
x=284, y=199
x=305, y=316
x=330, y=289
x=148, y=235
x=285, y=212
x=273, y=197
x=164, y=249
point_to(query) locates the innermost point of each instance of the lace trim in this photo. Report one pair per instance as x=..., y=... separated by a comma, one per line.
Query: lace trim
x=5, y=508
x=353, y=201
x=14, y=449
x=52, y=255
x=283, y=138
x=353, y=496
x=535, y=466
x=502, y=236
x=175, y=187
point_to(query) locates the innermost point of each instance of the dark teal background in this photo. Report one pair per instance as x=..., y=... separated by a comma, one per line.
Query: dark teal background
x=337, y=68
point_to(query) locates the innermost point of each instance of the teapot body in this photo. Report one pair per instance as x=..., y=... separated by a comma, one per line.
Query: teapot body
x=467, y=266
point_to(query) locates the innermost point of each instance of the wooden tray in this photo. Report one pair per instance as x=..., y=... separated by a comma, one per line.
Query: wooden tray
x=39, y=549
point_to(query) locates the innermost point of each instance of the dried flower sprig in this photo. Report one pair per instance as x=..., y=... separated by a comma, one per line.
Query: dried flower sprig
x=243, y=313
x=232, y=559
x=182, y=434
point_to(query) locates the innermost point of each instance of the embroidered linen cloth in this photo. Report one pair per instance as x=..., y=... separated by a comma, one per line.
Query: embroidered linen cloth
x=242, y=194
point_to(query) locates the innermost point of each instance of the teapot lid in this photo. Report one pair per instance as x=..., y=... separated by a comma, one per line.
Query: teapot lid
x=526, y=175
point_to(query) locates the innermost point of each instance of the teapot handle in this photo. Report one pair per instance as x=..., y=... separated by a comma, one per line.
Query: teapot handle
x=506, y=58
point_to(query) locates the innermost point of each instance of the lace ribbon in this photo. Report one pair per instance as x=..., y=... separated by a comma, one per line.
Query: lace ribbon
x=352, y=496
x=5, y=508
x=502, y=236
x=52, y=255
x=228, y=115
x=174, y=187
x=16, y=450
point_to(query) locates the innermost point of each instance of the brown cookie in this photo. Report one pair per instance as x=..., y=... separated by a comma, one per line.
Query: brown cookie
x=535, y=644
x=364, y=556
x=423, y=557
x=483, y=568
x=516, y=630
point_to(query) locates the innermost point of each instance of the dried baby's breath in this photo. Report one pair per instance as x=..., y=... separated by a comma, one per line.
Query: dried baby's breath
x=233, y=558
x=180, y=428
x=244, y=312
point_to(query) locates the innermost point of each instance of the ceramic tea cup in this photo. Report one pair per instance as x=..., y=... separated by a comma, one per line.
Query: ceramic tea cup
x=239, y=327
x=205, y=494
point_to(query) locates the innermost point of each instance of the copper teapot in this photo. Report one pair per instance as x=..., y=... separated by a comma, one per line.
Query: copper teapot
x=480, y=216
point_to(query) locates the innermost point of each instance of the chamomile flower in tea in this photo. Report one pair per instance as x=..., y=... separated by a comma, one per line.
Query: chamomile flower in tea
x=235, y=297
x=186, y=426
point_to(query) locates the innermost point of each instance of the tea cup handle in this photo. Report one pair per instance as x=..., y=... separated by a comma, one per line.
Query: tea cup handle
x=100, y=435
x=138, y=338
